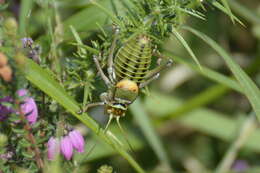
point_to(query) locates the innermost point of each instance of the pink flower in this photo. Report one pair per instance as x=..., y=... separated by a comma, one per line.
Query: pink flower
x=77, y=140
x=22, y=92
x=28, y=107
x=66, y=147
x=53, y=148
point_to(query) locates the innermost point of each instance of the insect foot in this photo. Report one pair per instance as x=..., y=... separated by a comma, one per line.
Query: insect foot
x=169, y=63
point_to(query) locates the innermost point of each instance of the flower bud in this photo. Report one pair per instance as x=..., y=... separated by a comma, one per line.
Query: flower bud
x=66, y=147
x=3, y=140
x=6, y=73
x=53, y=148
x=20, y=60
x=77, y=140
x=3, y=60
x=10, y=26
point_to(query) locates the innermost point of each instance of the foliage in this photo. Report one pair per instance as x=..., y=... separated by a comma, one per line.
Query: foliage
x=49, y=44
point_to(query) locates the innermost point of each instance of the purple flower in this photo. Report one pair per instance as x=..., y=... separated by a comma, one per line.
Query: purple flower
x=66, y=147
x=28, y=107
x=53, y=148
x=7, y=155
x=27, y=42
x=240, y=166
x=77, y=140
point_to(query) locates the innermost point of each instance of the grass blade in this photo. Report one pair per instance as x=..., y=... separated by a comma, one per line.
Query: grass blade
x=225, y=3
x=224, y=10
x=246, y=13
x=26, y=6
x=250, y=89
x=211, y=74
x=186, y=46
x=81, y=24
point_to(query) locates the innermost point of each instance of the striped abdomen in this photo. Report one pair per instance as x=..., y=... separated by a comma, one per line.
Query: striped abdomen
x=133, y=59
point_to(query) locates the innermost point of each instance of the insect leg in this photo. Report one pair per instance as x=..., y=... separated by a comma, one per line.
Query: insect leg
x=124, y=133
x=110, y=70
x=147, y=82
x=154, y=74
x=103, y=76
x=92, y=105
x=109, y=122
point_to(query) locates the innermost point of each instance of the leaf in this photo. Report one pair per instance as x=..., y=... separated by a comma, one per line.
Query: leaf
x=18, y=131
x=211, y=74
x=27, y=154
x=223, y=9
x=41, y=78
x=186, y=46
x=225, y=3
x=86, y=20
x=78, y=39
x=109, y=13
x=26, y=7
x=24, y=143
x=248, y=14
x=250, y=89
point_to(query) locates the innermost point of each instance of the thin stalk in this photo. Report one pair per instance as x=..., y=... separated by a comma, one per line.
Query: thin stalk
x=248, y=127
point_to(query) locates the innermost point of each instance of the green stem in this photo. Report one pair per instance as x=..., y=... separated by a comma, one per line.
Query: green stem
x=26, y=6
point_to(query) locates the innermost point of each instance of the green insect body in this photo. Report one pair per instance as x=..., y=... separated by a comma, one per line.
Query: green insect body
x=133, y=59
x=128, y=72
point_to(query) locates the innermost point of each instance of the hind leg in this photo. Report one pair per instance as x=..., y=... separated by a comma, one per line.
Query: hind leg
x=163, y=62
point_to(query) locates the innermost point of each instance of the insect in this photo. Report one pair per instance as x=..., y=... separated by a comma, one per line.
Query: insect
x=128, y=72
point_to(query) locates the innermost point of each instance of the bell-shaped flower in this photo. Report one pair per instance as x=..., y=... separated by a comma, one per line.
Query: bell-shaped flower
x=66, y=147
x=53, y=148
x=77, y=140
x=28, y=106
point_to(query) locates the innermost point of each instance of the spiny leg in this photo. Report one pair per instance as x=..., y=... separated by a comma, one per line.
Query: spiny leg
x=92, y=105
x=111, y=53
x=148, y=81
x=124, y=133
x=108, y=123
x=154, y=74
x=103, y=76
x=161, y=58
